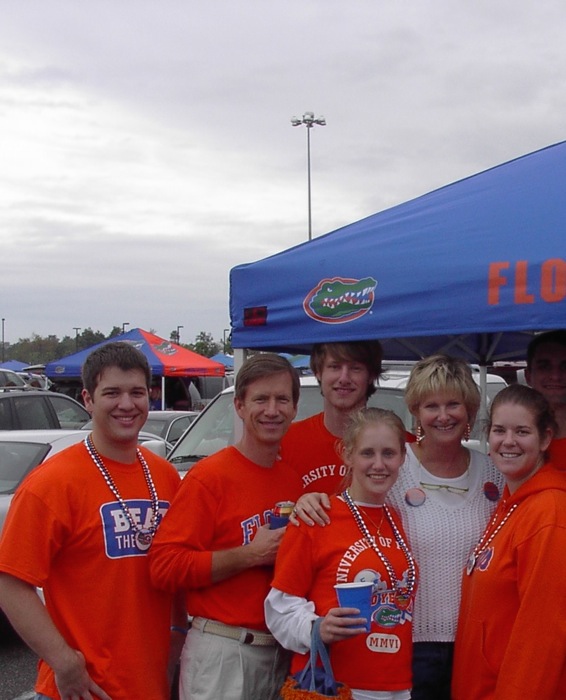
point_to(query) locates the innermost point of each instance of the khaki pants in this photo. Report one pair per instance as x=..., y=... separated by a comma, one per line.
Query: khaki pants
x=216, y=668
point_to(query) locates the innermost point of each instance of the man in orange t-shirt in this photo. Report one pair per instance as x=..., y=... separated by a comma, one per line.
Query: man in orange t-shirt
x=80, y=526
x=546, y=372
x=216, y=544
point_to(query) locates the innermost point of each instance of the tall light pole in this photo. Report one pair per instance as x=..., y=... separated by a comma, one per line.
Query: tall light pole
x=309, y=120
x=178, y=334
x=3, y=356
x=76, y=337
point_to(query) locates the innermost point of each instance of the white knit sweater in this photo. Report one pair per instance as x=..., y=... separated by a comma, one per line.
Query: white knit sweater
x=442, y=532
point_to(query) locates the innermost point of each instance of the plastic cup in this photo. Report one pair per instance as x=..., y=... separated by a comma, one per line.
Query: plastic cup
x=277, y=521
x=356, y=595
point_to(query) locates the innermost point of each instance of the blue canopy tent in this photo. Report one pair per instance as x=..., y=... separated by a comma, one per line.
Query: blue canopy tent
x=14, y=365
x=472, y=269
x=226, y=360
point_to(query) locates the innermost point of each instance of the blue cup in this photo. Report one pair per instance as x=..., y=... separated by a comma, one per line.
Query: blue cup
x=357, y=594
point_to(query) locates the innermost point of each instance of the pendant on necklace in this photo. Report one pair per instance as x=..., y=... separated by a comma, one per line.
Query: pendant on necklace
x=143, y=539
x=402, y=598
x=471, y=563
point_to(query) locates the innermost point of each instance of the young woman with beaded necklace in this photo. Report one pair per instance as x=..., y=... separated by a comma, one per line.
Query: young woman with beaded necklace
x=365, y=541
x=511, y=640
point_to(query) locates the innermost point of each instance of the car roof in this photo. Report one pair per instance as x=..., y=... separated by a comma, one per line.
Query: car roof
x=58, y=439
x=11, y=391
x=48, y=435
x=170, y=414
x=394, y=376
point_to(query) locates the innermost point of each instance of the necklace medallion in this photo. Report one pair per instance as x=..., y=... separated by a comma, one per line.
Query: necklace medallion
x=403, y=595
x=143, y=535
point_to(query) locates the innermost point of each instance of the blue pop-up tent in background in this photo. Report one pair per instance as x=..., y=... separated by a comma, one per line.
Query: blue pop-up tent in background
x=472, y=269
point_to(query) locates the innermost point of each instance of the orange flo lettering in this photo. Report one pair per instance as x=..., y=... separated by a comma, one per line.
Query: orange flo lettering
x=552, y=281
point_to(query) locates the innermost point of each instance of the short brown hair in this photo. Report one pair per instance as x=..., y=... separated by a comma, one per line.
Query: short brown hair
x=117, y=354
x=262, y=365
x=367, y=352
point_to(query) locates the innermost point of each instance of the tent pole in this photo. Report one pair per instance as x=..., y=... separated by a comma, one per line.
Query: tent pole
x=483, y=406
x=240, y=355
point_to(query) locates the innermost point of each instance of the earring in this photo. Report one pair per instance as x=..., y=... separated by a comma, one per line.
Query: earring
x=420, y=434
x=467, y=432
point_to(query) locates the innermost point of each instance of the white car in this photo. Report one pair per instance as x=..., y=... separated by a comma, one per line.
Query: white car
x=214, y=428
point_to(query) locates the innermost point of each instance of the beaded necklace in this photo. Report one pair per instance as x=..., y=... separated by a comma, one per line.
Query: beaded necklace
x=403, y=595
x=143, y=536
x=483, y=544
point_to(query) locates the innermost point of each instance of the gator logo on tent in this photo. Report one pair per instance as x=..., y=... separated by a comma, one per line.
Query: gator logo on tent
x=165, y=348
x=340, y=300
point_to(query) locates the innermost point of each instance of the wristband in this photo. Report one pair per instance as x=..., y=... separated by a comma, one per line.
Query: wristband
x=180, y=630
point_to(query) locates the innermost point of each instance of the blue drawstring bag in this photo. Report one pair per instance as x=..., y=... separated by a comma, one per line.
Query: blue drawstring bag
x=315, y=681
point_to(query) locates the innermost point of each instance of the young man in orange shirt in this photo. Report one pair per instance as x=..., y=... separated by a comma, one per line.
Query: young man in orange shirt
x=80, y=527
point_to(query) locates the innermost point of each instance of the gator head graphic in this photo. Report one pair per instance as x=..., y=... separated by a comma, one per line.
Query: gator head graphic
x=339, y=300
x=165, y=348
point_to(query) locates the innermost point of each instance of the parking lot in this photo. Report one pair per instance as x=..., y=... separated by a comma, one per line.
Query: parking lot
x=18, y=666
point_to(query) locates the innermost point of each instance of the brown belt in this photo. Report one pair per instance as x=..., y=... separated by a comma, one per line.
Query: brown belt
x=241, y=634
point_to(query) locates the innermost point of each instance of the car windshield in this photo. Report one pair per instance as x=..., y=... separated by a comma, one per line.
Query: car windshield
x=11, y=379
x=209, y=435
x=16, y=460
x=157, y=426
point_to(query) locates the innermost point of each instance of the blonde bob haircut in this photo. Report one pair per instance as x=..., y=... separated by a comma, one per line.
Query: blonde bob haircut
x=442, y=374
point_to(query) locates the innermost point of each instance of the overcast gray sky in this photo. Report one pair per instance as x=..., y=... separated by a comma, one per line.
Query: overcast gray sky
x=146, y=146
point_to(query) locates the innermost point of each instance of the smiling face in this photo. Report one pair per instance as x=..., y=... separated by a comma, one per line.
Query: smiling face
x=374, y=460
x=443, y=418
x=547, y=372
x=267, y=409
x=119, y=407
x=516, y=445
x=344, y=383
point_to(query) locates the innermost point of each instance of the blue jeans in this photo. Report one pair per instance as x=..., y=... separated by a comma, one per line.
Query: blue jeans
x=39, y=696
x=432, y=670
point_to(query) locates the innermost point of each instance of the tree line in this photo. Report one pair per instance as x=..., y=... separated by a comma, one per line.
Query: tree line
x=39, y=350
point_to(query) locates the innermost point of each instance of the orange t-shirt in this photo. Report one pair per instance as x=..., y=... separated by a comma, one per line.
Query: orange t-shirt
x=310, y=449
x=66, y=533
x=220, y=505
x=311, y=560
